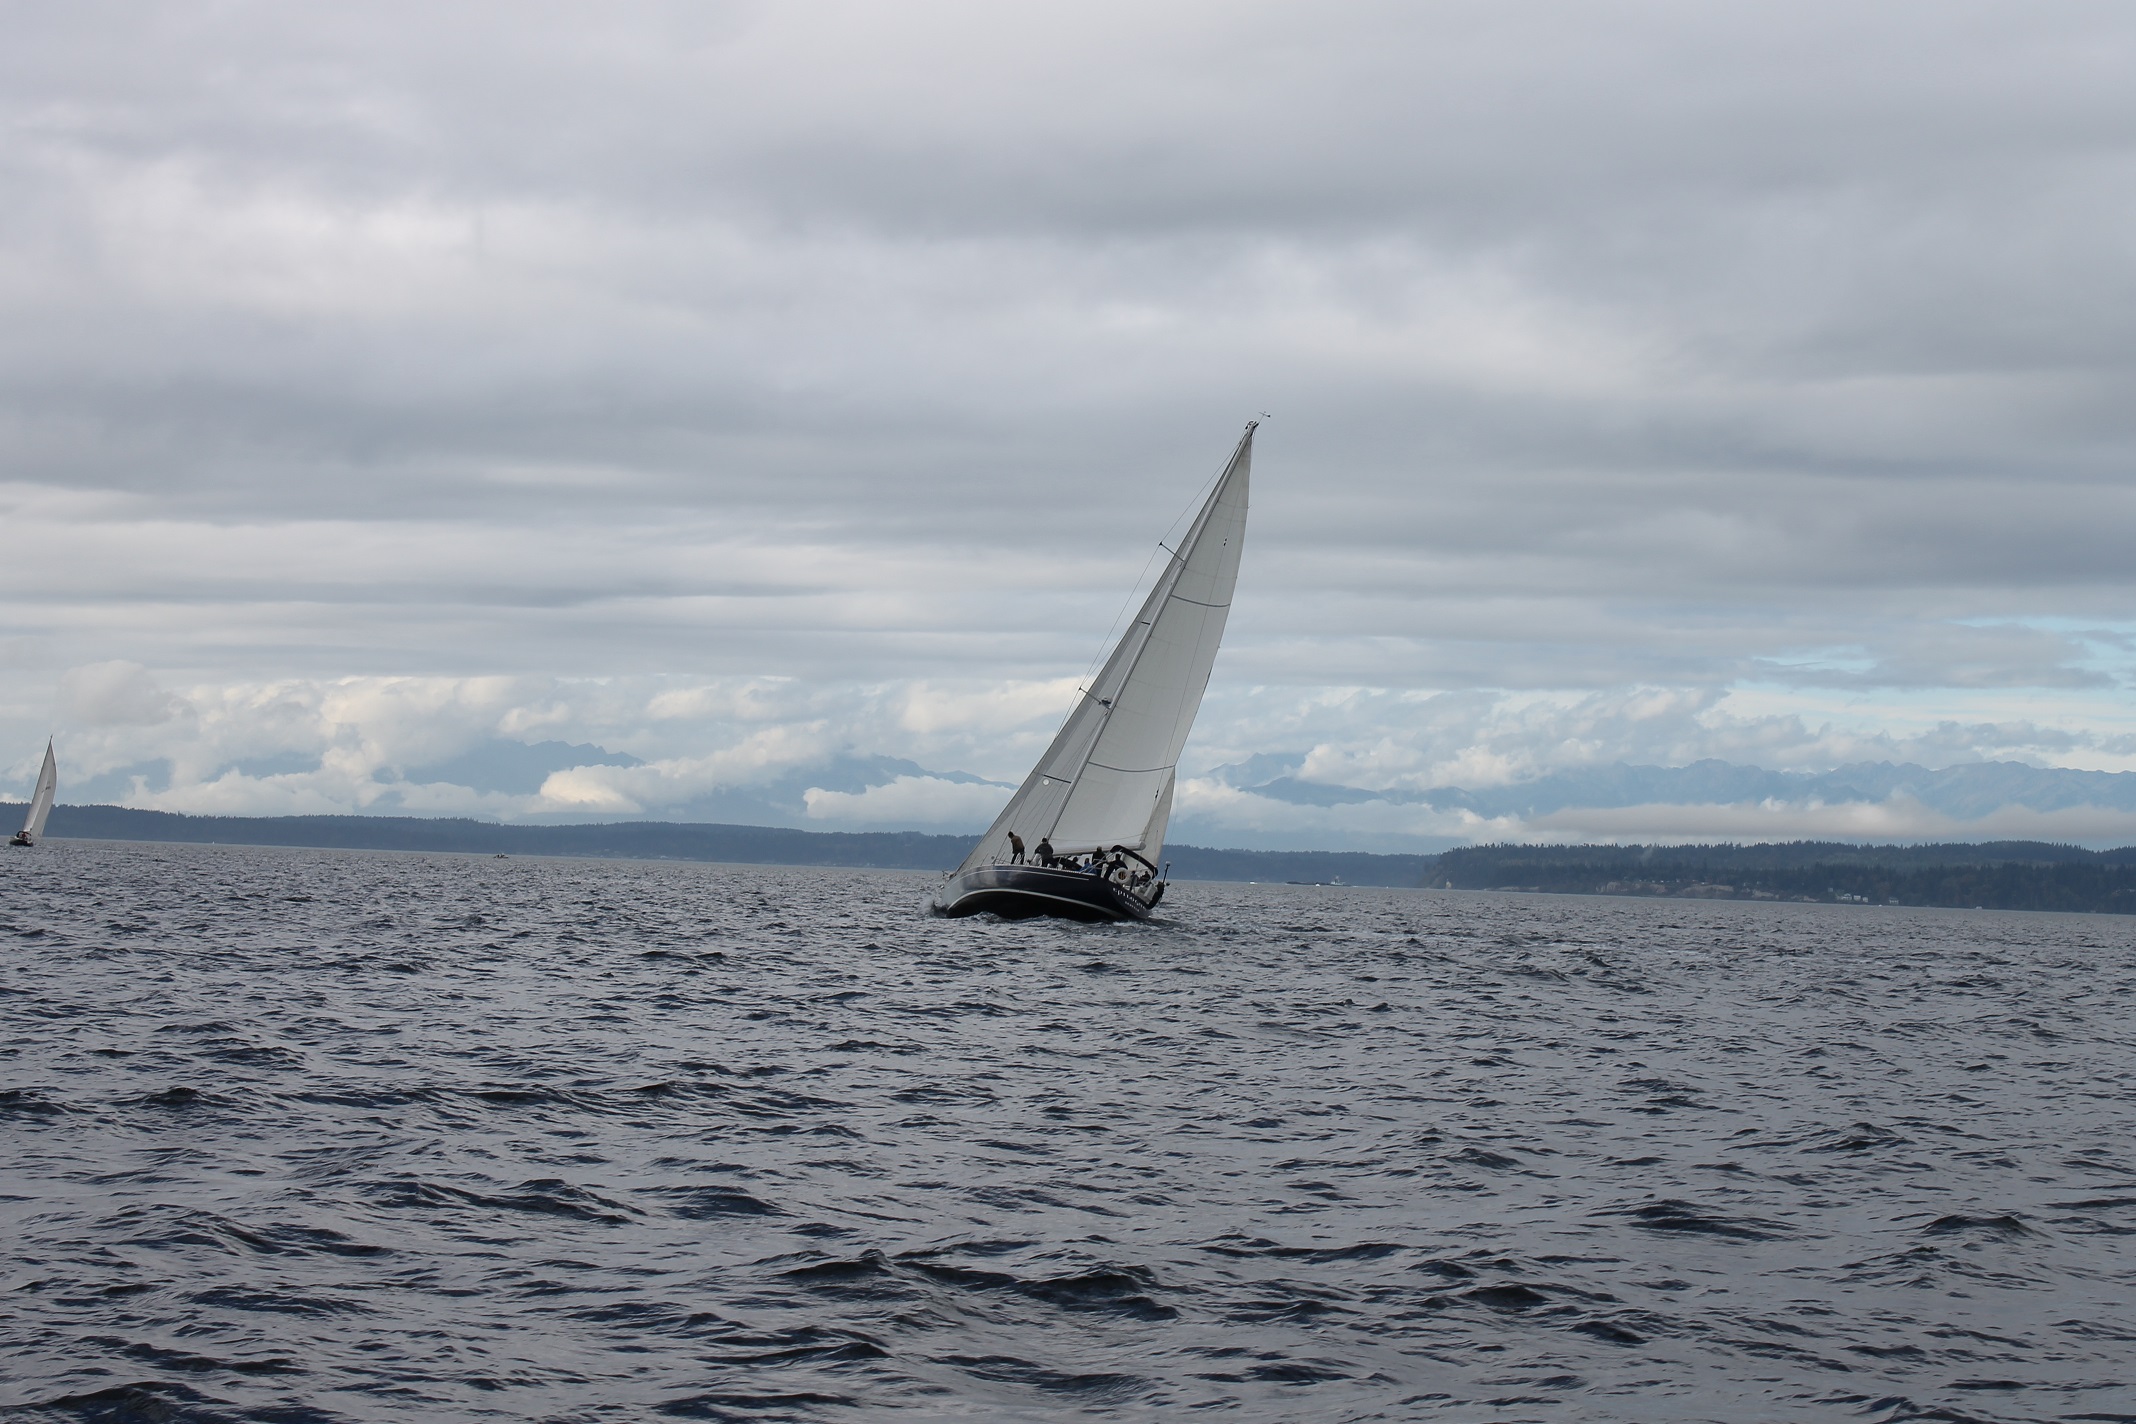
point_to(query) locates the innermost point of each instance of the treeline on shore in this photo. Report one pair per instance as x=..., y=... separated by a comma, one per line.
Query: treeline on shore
x=669, y=840
x=1997, y=875
x=630, y=840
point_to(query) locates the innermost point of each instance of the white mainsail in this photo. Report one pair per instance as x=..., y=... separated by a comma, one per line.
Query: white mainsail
x=1107, y=778
x=41, y=798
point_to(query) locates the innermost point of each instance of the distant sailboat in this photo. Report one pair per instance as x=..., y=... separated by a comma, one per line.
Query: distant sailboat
x=1096, y=805
x=40, y=802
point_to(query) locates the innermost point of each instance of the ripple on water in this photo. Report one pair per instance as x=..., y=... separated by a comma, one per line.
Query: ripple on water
x=300, y=1136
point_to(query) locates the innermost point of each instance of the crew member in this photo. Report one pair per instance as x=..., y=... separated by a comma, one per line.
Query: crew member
x=1016, y=855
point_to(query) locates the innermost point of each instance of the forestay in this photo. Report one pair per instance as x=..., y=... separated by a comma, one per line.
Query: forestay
x=1107, y=778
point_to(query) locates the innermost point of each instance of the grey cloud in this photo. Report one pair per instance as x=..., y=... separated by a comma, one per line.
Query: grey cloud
x=115, y=694
x=1955, y=655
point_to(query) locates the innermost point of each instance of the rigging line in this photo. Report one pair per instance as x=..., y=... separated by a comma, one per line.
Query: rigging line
x=1105, y=643
x=1193, y=532
x=1193, y=506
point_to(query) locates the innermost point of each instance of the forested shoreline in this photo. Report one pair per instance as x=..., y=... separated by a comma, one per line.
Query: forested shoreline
x=1995, y=875
x=2001, y=875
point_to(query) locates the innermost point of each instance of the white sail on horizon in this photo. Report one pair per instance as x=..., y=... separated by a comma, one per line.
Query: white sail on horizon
x=41, y=799
x=1108, y=777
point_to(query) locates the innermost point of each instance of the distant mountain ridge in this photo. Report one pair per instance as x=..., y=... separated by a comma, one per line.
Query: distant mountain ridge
x=1964, y=792
x=500, y=766
x=514, y=768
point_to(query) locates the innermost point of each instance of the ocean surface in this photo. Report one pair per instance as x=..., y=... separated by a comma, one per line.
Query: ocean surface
x=307, y=1136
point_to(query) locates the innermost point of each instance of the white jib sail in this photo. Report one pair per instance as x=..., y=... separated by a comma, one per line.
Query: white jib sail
x=1107, y=778
x=41, y=798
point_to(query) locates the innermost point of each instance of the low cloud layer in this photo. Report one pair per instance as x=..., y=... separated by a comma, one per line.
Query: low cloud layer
x=1360, y=768
x=734, y=385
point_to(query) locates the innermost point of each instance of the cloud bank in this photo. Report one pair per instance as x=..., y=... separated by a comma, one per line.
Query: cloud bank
x=1364, y=769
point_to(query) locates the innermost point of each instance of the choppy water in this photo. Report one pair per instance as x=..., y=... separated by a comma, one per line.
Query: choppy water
x=305, y=1136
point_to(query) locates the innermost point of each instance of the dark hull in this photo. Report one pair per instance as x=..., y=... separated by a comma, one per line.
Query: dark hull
x=1018, y=892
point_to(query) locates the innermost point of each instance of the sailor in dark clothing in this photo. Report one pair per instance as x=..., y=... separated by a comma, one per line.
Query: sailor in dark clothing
x=1016, y=855
x=1045, y=851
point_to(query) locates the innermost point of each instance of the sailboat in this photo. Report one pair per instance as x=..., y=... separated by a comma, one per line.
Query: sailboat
x=1083, y=837
x=40, y=801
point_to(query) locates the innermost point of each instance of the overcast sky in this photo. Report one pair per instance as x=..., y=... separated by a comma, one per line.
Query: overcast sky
x=1648, y=381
